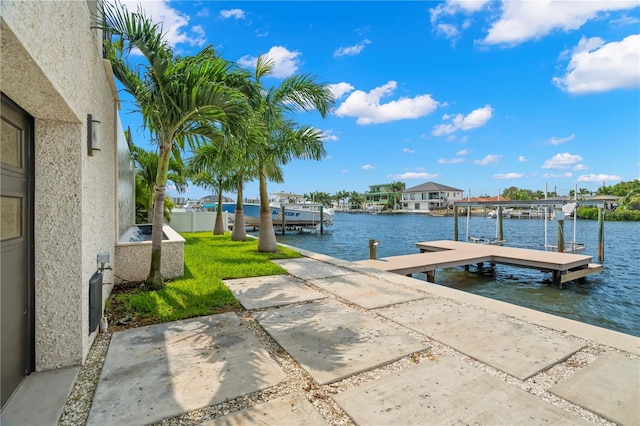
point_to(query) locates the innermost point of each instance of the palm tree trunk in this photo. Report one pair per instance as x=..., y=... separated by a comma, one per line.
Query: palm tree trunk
x=155, y=281
x=239, y=232
x=150, y=207
x=266, y=237
x=218, y=228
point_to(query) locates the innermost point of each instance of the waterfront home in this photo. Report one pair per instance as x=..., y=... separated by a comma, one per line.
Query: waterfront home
x=67, y=184
x=380, y=196
x=430, y=196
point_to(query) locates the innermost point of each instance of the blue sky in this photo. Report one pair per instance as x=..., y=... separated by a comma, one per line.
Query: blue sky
x=479, y=95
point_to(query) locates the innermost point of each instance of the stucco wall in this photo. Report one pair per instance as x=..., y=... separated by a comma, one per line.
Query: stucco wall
x=53, y=68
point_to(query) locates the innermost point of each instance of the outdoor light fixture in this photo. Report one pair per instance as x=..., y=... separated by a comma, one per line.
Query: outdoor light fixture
x=93, y=134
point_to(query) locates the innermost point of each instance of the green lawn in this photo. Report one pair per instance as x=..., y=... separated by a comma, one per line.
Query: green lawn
x=208, y=259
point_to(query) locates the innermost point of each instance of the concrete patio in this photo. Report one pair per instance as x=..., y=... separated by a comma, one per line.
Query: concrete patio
x=472, y=360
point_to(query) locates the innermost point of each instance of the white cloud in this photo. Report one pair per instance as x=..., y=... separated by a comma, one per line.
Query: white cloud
x=452, y=7
x=557, y=141
x=489, y=159
x=625, y=20
x=369, y=110
x=448, y=30
x=175, y=24
x=599, y=67
x=344, y=171
x=522, y=159
x=203, y=13
x=451, y=161
x=465, y=151
x=232, y=13
x=340, y=89
x=557, y=176
x=327, y=135
x=408, y=151
x=561, y=161
x=580, y=167
x=598, y=178
x=285, y=62
x=414, y=175
x=367, y=167
x=511, y=175
x=476, y=118
x=351, y=50
x=525, y=20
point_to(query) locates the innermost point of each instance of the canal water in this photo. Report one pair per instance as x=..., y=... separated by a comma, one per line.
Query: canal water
x=610, y=299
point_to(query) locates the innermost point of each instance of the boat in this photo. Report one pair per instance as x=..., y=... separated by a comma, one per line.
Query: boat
x=191, y=206
x=298, y=213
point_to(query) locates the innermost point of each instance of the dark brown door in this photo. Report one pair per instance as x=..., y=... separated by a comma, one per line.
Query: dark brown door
x=16, y=229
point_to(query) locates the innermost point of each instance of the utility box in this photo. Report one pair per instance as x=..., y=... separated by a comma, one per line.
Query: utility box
x=95, y=301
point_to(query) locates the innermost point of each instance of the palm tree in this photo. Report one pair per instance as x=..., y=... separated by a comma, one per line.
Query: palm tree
x=341, y=197
x=182, y=99
x=283, y=139
x=397, y=188
x=356, y=200
x=147, y=170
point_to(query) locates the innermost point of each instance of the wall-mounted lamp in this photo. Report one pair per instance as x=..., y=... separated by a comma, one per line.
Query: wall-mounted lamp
x=93, y=134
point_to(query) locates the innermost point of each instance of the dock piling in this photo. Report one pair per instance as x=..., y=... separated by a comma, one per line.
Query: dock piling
x=560, y=216
x=373, y=249
x=455, y=223
x=600, y=234
x=500, y=227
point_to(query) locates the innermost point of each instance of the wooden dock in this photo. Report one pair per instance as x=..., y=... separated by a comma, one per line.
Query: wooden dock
x=446, y=254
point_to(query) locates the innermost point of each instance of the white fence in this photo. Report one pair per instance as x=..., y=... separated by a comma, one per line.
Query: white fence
x=196, y=221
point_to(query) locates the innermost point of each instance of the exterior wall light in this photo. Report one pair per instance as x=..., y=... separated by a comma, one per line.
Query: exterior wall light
x=93, y=134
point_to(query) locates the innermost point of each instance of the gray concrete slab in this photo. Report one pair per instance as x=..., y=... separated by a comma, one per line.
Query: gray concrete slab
x=271, y=291
x=288, y=410
x=306, y=268
x=332, y=341
x=517, y=349
x=40, y=398
x=367, y=291
x=446, y=392
x=159, y=371
x=609, y=386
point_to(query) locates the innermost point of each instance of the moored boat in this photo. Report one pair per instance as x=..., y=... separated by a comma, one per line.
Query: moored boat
x=296, y=214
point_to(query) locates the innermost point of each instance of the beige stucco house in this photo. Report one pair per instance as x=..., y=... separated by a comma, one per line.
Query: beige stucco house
x=63, y=203
x=429, y=196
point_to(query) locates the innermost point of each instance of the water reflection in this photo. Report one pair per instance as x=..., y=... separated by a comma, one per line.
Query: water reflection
x=609, y=299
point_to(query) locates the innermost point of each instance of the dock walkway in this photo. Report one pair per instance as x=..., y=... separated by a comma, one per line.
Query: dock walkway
x=446, y=254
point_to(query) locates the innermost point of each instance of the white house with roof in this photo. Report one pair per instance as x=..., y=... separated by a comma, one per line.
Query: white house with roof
x=429, y=196
x=67, y=188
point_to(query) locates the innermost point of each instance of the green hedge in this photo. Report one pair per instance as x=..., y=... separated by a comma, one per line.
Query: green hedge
x=591, y=213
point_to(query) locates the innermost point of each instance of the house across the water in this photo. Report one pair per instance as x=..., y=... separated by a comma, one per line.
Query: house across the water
x=430, y=196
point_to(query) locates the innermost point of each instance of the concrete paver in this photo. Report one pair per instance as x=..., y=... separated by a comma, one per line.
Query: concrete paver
x=288, y=410
x=308, y=269
x=610, y=386
x=271, y=291
x=446, y=391
x=163, y=370
x=517, y=349
x=40, y=398
x=367, y=291
x=332, y=341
